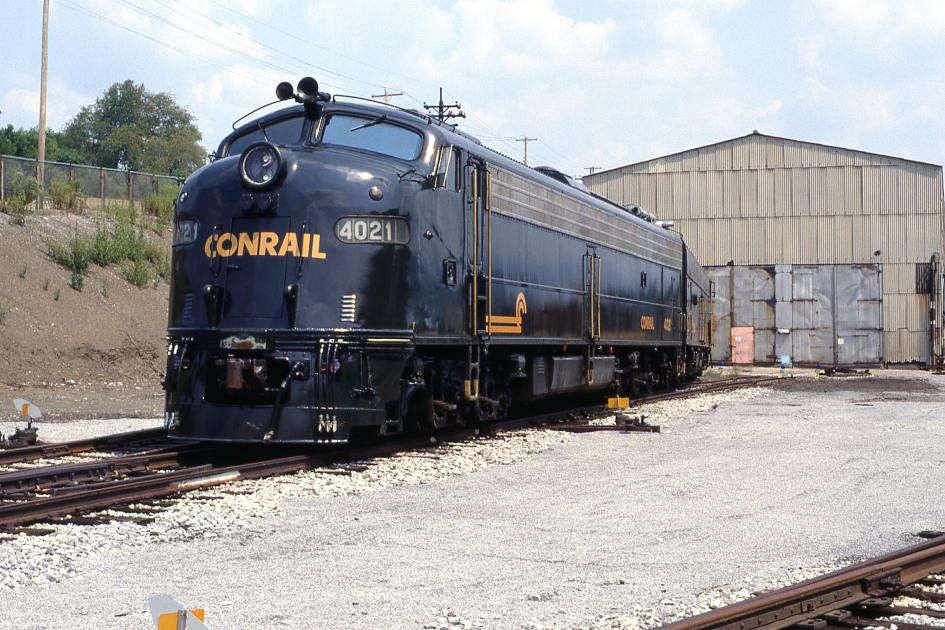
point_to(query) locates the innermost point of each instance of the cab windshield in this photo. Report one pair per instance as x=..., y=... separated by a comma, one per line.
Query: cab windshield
x=372, y=134
x=284, y=131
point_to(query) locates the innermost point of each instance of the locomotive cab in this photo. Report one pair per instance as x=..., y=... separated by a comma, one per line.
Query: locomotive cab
x=293, y=260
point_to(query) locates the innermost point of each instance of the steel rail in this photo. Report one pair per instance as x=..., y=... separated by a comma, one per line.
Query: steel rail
x=44, y=477
x=59, y=449
x=862, y=583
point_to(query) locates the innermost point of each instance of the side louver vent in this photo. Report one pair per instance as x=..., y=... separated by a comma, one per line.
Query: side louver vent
x=349, y=307
x=187, y=313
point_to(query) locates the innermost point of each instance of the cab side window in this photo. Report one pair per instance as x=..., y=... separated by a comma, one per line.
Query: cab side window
x=454, y=172
x=448, y=171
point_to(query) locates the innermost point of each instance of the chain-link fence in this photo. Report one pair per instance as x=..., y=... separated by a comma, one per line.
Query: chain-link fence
x=95, y=183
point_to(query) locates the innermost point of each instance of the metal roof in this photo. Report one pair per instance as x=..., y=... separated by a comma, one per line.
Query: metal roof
x=756, y=134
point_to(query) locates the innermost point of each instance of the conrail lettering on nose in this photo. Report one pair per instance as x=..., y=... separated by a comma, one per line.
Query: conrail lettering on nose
x=263, y=244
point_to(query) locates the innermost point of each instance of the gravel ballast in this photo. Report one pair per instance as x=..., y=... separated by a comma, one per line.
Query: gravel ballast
x=740, y=491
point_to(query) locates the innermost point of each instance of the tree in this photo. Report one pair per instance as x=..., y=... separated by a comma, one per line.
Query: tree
x=131, y=128
x=24, y=142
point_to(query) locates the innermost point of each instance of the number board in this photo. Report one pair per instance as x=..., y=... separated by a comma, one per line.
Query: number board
x=383, y=230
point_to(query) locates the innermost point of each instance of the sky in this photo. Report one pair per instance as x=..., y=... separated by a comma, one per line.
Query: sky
x=599, y=83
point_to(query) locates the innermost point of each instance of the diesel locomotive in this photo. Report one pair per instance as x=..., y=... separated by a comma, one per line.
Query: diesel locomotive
x=345, y=269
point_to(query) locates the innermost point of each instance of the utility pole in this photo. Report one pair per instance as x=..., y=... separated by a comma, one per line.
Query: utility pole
x=443, y=109
x=41, y=153
x=387, y=95
x=591, y=169
x=525, y=140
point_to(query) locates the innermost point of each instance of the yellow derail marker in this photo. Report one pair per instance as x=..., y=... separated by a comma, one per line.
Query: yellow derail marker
x=618, y=402
x=172, y=620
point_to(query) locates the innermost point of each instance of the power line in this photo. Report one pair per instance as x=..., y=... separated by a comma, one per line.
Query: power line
x=319, y=46
x=307, y=64
x=70, y=4
x=235, y=51
x=506, y=141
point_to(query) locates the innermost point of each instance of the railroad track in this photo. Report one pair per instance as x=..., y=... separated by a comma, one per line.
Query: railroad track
x=858, y=596
x=42, y=493
x=113, y=442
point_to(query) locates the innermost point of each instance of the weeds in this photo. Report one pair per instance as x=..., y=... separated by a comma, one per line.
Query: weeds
x=67, y=196
x=16, y=210
x=76, y=280
x=6, y=307
x=26, y=187
x=161, y=204
x=46, y=285
x=138, y=273
x=124, y=245
x=104, y=290
x=76, y=257
x=56, y=295
x=24, y=191
x=22, y=273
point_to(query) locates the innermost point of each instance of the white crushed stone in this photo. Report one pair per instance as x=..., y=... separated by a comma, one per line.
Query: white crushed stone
x=203, y=514
x=668, y=610
x=921, y=620
x=912, y=602
x=27, y=560
x=68, y=431
x=449, y=619
x=654, y=412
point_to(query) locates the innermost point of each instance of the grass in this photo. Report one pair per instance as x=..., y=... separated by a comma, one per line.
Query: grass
x=46, y=285
x=161, y=204
x=138, y=273
x=24, y=190
x=56, y=295
x=76, y=280
x=67, y=196
x=6, y=307
x=125, y=244
x=22, y=273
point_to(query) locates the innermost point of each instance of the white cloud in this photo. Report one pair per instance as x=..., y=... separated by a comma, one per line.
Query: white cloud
x=768, y=110
x=20, y=103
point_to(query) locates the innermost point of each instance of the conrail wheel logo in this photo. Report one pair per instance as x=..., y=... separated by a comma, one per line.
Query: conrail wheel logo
x=508, y=323
x=263, y=244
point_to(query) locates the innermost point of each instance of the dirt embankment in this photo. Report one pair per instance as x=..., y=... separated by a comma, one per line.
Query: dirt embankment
x=104, y=342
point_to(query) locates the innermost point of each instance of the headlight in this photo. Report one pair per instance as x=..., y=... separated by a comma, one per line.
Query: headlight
x=260, y=165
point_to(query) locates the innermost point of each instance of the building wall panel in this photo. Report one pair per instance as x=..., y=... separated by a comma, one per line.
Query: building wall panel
x=723, y=156
x=852, y=190
x=707, y=159
x=800, y=192
x=679, y=189
x=906, y=195
x=697, y=194
x=774, y=154
x=817, y=191
x=748, y=193
x=741, y=153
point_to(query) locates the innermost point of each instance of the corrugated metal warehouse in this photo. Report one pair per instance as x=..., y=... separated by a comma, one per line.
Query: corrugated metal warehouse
x=819, y=253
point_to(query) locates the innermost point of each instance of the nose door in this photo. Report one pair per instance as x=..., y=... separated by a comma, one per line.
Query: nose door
x=255, y=270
